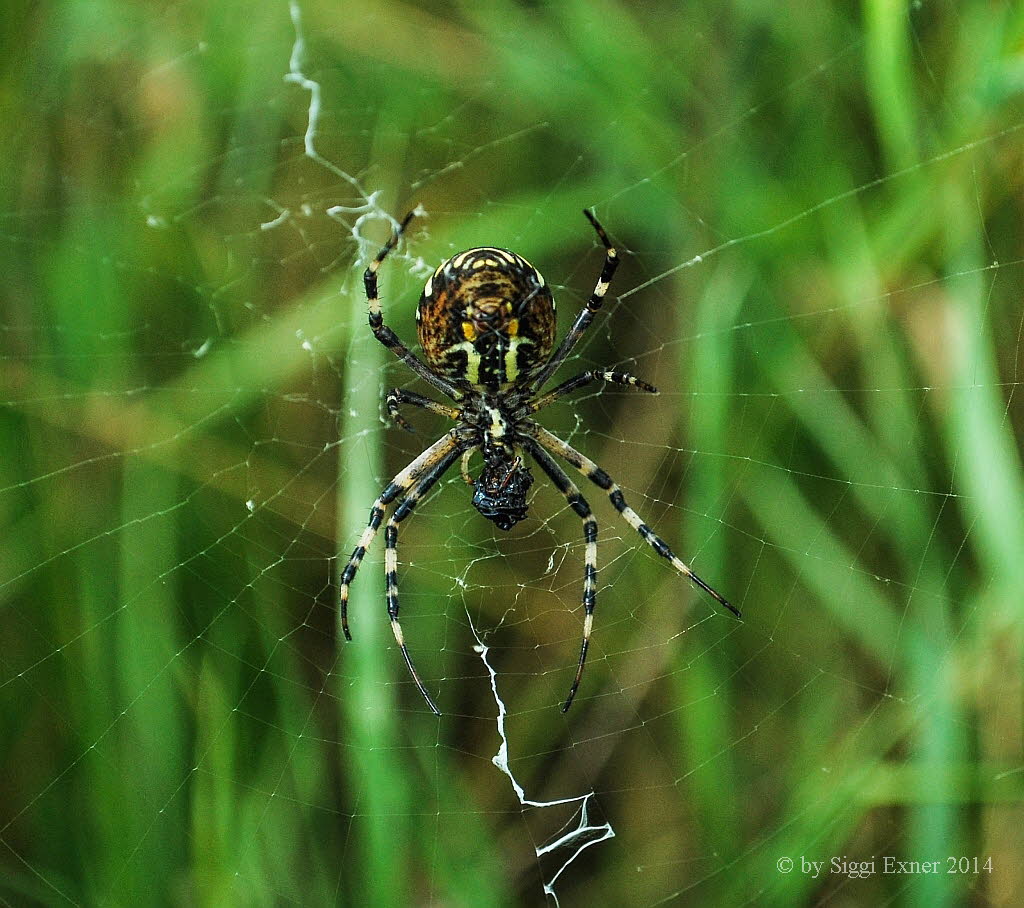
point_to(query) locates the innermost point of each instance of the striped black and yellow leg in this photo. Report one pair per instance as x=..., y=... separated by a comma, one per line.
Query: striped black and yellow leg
x=404, y=509
x=579, y=504
x=404, y=480
x=585, y=378
x=388, y=337
x=397, y=397
x=586, y=315
x=601, y=479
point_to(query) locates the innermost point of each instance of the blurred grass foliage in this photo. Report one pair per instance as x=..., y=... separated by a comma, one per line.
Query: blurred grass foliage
x=190, y=431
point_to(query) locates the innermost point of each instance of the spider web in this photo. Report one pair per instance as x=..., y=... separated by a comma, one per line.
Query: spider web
x=194, y=433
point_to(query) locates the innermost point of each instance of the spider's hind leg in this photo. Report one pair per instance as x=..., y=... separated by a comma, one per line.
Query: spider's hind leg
x=388, y=337
x=586, y=315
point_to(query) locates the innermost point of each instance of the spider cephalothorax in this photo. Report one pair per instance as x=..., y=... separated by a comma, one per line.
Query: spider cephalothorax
x=487, y=326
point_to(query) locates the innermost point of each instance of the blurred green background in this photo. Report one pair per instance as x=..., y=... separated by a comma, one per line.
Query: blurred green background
x=819, y=207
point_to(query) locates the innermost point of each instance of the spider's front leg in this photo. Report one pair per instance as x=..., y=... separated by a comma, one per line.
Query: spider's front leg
x=403, y=481
x=579, y=504
x=404, y=509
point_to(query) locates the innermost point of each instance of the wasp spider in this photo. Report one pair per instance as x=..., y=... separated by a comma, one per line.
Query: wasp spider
x=486, y=323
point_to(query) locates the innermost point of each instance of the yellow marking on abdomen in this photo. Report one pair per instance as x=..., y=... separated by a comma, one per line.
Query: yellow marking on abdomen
x=472, y=361
x=511, y=354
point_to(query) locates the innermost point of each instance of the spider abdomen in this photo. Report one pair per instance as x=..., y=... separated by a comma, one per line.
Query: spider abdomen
x=486, y=319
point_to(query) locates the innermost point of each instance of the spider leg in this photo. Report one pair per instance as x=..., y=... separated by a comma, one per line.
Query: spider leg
x=585, y=378
x=586, y=316
x=388, y=337
x=419, y=488
x=397, y=396
x=404, y=480
x=601, y=479
x=579, y=504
